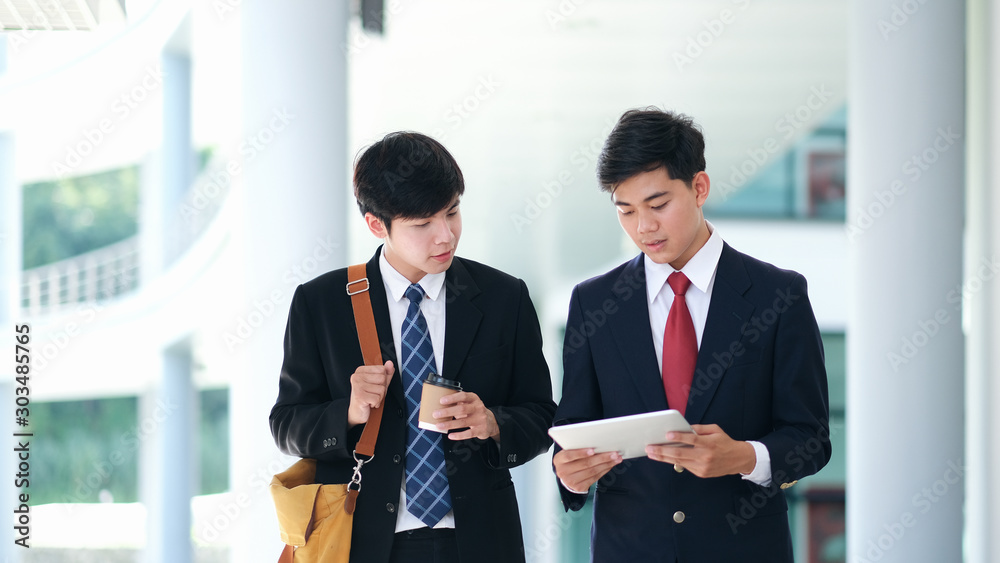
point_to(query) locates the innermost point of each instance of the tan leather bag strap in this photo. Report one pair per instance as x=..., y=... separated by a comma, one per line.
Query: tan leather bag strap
x=357, y=288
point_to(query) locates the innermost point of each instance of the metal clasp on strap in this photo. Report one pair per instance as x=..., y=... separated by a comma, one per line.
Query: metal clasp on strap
x=356, y=479
x=356, y=282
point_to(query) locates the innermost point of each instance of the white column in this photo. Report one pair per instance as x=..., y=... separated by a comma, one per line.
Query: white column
x=168, y=417
x=168, y=172
x=10, y=295
x=905, y=350
x=10, y=218
x=982, y=305
x=295, y=204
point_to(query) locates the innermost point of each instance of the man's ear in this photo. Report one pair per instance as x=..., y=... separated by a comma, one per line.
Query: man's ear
x=376, y=226
x=701, y=186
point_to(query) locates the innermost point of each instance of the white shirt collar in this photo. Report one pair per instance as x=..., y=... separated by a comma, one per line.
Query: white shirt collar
x=397, y=283
x=700, y=268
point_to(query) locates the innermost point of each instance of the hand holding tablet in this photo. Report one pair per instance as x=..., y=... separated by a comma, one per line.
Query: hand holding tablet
x=628, y=435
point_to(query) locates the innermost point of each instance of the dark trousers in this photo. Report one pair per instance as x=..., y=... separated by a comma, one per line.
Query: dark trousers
x=425, y=545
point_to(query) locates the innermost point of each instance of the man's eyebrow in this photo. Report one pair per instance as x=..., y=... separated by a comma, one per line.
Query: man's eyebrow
x=650, y=198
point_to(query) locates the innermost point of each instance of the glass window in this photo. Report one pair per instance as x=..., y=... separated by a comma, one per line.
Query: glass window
x=808, y=181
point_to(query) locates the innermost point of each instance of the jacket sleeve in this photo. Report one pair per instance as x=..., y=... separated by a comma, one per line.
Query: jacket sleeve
x=525, y=419
x=581, y=395
x=307, y=420
x=799, y=445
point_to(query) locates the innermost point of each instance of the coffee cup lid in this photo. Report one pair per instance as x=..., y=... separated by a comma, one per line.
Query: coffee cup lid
x=435, y=379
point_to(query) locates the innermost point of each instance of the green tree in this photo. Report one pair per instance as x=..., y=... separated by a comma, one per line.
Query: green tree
x=71, y=216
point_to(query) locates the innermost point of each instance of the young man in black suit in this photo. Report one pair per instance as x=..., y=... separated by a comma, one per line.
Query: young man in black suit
x=427, y=496
x=689, y=324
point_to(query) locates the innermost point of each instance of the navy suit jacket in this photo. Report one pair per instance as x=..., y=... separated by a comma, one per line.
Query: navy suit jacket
x=760, y=376
x=493, y=346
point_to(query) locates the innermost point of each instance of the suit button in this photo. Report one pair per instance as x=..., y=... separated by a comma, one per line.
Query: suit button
x=396, y=458
x=679, y=516
x=678, y=468
x=390, y=507
x=399, y=412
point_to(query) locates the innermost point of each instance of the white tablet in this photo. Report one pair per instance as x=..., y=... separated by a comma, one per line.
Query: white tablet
x=628, y=435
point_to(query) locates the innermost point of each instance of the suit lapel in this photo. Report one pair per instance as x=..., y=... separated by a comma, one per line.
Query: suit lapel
x=462, y=317
x=632, y=336
x=380, y=310
x=728, y=314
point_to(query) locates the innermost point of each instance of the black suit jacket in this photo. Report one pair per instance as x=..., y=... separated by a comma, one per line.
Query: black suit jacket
x=493, y=346
x=760, y=376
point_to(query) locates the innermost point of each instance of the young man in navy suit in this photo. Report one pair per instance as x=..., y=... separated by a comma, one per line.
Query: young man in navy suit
x=694, y=325
x=427, y=497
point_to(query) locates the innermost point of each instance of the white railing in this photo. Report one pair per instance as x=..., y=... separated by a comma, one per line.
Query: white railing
x=110, y=272
x=97, y=276
x=197, y=208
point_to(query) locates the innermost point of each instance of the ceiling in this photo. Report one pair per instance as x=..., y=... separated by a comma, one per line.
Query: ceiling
x=59, y=15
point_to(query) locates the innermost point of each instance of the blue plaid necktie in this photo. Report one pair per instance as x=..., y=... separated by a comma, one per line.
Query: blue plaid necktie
x=427, y=495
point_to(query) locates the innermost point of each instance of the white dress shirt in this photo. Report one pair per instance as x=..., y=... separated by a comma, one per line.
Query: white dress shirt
x=432, y=307
x=700, y=269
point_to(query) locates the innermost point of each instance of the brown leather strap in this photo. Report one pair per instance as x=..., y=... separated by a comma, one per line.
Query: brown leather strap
x=351, y=502
x=371, y=352
x=357, y=288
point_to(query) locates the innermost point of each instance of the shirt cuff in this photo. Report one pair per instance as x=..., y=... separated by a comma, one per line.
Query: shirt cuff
x=761, y=474
x=574, y=491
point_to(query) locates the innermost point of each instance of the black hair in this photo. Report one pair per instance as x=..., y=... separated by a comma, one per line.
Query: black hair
x=644, y=140
x=406, y=175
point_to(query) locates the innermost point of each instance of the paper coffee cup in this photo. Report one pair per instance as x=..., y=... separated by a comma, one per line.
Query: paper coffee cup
x=434, y=388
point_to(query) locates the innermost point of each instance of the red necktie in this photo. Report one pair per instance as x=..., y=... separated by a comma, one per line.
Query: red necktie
x=680, y=346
